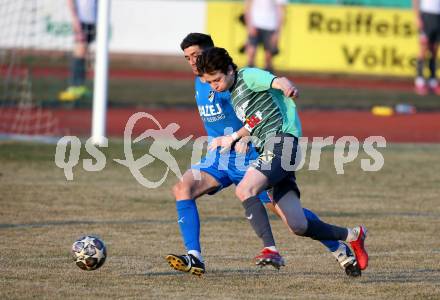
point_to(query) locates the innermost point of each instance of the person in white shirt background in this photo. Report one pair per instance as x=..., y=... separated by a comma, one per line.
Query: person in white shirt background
x=264, y=19
x=84, y=13
x=428, y=22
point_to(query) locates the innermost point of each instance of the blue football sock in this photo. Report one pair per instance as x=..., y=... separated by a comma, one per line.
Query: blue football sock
x=78, y=68
x=330, y=245
x=189, y=223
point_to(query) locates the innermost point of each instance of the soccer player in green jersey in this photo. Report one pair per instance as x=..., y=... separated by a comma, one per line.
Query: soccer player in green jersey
x=263, y=102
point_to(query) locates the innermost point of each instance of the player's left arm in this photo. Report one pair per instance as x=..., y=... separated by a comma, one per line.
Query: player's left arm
x=286, y=86
x=281, y=10
x=416, y=9
x=259, y=80
x=225, y=142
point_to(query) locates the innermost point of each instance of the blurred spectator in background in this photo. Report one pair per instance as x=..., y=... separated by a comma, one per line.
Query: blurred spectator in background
x=84, y=29
x=428, y=22
x=264, y=19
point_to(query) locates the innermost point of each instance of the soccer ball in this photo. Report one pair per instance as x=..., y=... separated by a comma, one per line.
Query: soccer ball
x=89, y=252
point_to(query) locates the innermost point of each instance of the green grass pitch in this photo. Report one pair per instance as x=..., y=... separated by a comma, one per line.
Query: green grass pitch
x=42, y=214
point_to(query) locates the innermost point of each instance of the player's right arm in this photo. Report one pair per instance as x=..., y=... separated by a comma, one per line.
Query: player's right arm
x=281, y=11
x=225, y=142
x=416, y=9
x=76, y=23
x=252, y=31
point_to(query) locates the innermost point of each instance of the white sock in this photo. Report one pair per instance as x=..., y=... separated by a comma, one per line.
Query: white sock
x=353, y=234
x=337, y=252
x=272, y=248
x=420, y=81
x=341, y=253
x=196, y=254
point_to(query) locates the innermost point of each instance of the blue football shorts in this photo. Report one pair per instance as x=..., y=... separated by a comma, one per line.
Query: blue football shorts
x=228, y=170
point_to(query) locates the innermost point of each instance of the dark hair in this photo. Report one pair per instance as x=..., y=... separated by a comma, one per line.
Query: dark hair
x=204, y=41
x=215, y=59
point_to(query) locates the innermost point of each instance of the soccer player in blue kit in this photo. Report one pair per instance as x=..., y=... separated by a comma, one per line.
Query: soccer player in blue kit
x=216, y=174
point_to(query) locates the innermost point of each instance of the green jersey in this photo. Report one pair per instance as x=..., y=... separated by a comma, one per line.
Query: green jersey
x=264, y=111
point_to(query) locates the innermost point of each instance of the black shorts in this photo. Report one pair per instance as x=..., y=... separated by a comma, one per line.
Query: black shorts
x=431, y=27
x=89, y=31
x=277, y=163
x=264, y=37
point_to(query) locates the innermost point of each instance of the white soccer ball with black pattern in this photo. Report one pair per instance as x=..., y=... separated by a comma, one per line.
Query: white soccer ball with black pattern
x=89, y=252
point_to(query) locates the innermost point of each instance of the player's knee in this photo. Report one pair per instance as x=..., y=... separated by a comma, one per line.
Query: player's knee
x=176, y=190
x=240, y=194
x=182, y=190
x=298, y=228
x=244, y=192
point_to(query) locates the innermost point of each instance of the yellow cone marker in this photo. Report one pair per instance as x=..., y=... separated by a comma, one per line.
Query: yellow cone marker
x=382, y=111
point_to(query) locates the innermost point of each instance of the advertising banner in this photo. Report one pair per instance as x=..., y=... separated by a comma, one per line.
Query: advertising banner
x=337, y=39
x=142, y=27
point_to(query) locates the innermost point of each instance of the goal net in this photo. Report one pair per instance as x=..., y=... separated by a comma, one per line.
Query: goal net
x=36, y=43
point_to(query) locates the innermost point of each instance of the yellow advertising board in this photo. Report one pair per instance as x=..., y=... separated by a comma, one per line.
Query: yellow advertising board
x=331, y=39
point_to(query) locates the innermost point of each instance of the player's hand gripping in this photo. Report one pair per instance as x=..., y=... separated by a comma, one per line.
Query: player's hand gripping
x=241, y=146
x=285, y=85
x=224, y=142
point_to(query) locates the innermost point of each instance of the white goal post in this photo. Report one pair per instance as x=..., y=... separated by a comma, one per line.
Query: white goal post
x=36, y=42
x=100, y=86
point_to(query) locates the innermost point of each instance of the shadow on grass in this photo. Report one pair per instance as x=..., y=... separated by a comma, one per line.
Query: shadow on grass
x=212, y=219
x=404, y=276
x=369, y=277
x=230, y=272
